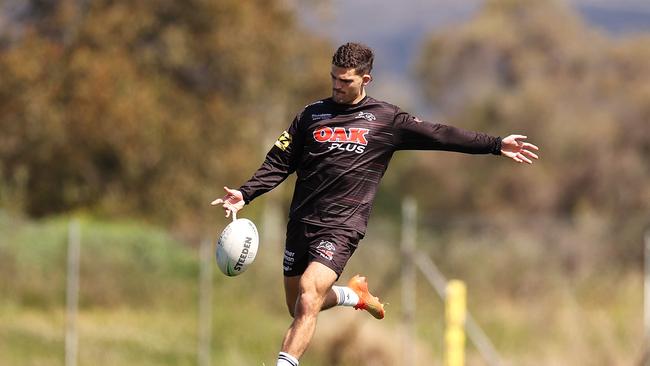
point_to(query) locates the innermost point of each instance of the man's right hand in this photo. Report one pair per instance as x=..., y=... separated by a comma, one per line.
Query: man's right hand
x=232, y=202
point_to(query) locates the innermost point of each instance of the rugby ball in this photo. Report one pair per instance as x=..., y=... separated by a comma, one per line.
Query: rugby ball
x=237, y=247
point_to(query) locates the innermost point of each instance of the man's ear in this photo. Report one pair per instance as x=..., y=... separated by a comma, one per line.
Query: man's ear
x=366, y=79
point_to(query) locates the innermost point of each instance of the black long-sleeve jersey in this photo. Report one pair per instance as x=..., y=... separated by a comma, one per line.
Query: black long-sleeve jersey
x=340, y=152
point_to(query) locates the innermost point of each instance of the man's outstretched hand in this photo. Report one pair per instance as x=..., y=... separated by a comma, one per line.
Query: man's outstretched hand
x=517, y=149
x=232, y=202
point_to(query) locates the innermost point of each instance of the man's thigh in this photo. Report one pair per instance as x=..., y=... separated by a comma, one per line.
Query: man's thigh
x=317, y=277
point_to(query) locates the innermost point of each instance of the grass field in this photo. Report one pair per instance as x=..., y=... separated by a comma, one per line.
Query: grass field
x=139, y=303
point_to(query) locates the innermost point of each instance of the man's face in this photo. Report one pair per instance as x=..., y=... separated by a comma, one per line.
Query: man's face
x=347, y=86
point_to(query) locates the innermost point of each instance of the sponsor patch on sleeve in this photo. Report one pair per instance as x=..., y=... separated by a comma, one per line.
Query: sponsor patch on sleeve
x=283, y=141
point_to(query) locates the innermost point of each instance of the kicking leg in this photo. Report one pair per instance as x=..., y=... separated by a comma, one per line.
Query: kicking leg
x=356, y=294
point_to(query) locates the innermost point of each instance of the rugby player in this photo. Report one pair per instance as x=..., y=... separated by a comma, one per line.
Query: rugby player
x=339, y=148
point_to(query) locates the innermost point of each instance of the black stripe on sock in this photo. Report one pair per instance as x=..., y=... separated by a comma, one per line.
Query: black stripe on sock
x=285, y=358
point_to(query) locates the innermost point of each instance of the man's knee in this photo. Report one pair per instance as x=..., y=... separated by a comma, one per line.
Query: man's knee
x=309, y=303
x=306, y=294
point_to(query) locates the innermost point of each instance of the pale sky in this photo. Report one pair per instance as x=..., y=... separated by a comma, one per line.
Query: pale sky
x=395, y=30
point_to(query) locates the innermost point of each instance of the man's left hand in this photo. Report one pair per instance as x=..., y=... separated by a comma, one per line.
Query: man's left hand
x=517, y=149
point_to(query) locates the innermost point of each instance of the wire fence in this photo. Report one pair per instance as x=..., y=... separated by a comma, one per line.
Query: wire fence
x=413, y=260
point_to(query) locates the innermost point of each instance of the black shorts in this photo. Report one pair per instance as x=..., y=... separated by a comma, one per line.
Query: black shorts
x=306, y=243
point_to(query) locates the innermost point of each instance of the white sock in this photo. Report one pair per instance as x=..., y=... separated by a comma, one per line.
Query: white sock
x=285, y=359
x=345, y=296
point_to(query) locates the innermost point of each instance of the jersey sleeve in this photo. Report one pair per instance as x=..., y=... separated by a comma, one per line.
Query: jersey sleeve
x=415, y=134
x=280, y=162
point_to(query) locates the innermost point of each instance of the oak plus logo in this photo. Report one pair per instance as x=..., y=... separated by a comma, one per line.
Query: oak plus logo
x=343, y=139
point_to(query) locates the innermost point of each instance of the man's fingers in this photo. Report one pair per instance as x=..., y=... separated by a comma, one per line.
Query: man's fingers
x=529, y=154
x=519, y=150
x=230, y=209
x=216, y=202
x=516, y=138
x=528, y=145
x=520, y=158
x=231, y=192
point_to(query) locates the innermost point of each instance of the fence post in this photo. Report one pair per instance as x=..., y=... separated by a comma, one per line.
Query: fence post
x=646, y=299
x=438, y=281
x=409, y=224
x=205, y=303
x=72, y=293
x=455, y=310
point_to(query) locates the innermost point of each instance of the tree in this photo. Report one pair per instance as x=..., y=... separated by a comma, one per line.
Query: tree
x=142, y=108
x=534, y=67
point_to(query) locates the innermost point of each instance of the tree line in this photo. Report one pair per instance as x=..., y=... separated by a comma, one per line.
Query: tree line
x=147, y=108
x=535, y=67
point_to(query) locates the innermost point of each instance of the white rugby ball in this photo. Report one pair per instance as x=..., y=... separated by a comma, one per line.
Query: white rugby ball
x=237, y=247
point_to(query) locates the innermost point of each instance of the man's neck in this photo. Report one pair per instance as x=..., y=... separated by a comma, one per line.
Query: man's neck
x=359, y=98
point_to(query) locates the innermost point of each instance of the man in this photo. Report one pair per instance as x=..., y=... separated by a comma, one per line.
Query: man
x=339, y=148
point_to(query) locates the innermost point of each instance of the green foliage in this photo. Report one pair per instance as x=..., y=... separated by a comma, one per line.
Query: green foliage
x=139, y=300
x=140, y=109
x=146, y=109
x=532, y=67
x=112, y=256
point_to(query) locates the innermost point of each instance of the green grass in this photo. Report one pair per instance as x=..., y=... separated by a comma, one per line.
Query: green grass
x=139, y=302
x=138, y=298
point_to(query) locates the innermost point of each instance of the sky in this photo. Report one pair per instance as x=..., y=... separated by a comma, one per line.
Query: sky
x=395, y=30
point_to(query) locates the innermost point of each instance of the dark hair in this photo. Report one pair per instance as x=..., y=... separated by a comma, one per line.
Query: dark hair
x=354, y=55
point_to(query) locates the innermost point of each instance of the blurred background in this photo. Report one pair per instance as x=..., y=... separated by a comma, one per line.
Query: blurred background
x=126, y=119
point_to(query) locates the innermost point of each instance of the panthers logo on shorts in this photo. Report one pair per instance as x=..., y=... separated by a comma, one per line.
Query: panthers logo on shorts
x=326, y=249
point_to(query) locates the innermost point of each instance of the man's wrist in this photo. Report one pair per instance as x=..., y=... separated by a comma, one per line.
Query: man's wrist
x=244, y=195
x=497, y=146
